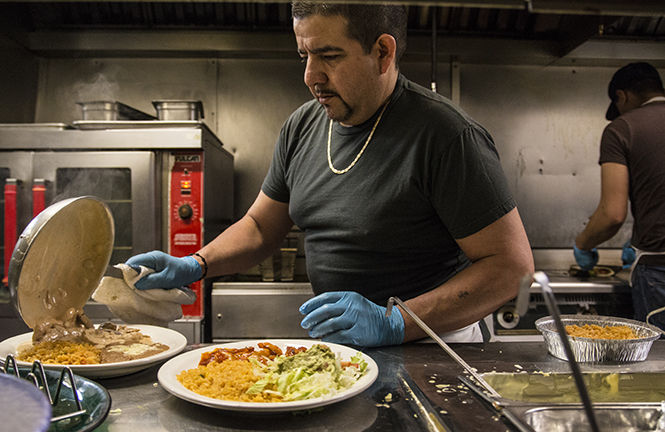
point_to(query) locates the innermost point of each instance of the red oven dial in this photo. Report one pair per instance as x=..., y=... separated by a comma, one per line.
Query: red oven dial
x=184, y=214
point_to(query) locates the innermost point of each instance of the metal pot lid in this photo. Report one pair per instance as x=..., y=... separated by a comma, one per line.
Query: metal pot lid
x=60, y=258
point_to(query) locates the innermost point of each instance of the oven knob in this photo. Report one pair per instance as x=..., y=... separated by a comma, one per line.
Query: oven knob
x=507, y=317
x=185, y=211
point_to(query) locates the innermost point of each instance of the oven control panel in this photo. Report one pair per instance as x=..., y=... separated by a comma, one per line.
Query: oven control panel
x=185, y=214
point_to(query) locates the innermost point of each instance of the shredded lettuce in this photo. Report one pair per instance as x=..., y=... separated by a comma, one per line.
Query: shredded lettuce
x=310, y=374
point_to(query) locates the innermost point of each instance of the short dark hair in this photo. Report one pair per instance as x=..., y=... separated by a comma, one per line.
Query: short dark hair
x=640, y=78
x=366, y=22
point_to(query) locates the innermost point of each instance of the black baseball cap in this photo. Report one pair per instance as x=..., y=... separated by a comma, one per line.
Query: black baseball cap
x=627, y=78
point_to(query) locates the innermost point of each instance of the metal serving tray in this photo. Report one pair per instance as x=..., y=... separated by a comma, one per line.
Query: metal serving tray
x=549, y=402
x=60, y=257
x=111, y=110
x=610, y=418
x=35, y=126
x=178, y=109
x=546, y=388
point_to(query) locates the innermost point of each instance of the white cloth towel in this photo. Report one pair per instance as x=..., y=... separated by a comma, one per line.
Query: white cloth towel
x=470, y=333
x=134, y=306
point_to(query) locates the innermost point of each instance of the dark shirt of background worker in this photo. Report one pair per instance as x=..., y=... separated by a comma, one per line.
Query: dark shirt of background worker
x=632, y=161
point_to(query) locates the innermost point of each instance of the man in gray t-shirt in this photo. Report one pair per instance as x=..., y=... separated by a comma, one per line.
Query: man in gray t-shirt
x=398, y=192
x=388, y=226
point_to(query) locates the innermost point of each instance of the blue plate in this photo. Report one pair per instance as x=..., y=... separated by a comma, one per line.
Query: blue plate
x=24, y=407
x=95, y=400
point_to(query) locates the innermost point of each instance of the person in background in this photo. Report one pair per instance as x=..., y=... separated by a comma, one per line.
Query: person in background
x=632, y=164
x=397, y=191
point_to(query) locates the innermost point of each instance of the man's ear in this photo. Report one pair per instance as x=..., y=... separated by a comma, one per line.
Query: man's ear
x=387, y=50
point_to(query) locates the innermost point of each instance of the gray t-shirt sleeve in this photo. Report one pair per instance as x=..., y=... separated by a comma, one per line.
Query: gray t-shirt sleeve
x=469, y=189
x=274, y=184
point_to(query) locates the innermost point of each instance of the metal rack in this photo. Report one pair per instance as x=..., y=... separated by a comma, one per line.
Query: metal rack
x=38, y=377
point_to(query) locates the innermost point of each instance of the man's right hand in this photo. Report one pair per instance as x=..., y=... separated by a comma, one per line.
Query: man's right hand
x=170, y=272
x=347, y=317
x=586, y=259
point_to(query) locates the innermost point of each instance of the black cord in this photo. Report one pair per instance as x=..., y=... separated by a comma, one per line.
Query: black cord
x=205, y=265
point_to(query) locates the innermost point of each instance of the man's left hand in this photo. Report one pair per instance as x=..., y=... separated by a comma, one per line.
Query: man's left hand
x=347, y=317
x=627, y=255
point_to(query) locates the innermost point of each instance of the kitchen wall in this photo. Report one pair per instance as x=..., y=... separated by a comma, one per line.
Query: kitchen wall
x=547, y=123
x=18, y=83
x=546, y=120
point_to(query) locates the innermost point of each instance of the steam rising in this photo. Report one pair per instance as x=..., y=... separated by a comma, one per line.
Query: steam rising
x=100, y=88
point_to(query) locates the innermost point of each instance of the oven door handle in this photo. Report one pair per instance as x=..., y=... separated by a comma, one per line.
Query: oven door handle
x=38, y=196
x=11, y=186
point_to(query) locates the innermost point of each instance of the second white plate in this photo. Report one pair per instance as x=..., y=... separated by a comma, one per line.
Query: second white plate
x=190, y=360
x=175, y=341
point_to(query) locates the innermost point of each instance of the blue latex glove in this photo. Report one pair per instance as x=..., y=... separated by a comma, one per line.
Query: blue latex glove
x=347, y=317
x=586, y=259
x=627, y=255
x=170, y=272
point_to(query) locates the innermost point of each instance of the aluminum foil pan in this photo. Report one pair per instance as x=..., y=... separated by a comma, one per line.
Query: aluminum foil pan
x=599, y=350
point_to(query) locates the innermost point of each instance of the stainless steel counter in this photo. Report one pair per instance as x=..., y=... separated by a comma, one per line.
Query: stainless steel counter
x=139, y=403
x=232, y=301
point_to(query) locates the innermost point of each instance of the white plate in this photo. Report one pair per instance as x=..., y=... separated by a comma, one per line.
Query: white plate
x=190, y=360
x=175, y=341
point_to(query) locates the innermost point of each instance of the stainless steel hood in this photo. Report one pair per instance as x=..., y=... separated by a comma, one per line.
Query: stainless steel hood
x=468, y=29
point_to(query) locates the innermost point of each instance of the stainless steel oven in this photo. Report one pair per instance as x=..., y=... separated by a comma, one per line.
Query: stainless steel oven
x=169, y=184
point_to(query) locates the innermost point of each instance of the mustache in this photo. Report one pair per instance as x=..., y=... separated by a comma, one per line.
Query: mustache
x=320, y=91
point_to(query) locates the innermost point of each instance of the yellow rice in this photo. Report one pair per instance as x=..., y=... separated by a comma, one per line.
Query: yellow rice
x=594, y=331
x=228, y=380
x=61, y=352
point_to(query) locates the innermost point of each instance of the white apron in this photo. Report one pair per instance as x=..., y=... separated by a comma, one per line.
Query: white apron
x=468, y=334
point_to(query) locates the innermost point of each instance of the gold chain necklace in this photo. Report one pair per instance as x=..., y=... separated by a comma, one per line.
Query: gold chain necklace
x=360, y=153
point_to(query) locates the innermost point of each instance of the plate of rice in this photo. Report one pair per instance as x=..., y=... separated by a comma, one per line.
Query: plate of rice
x=83, y=359
x=268, y=375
